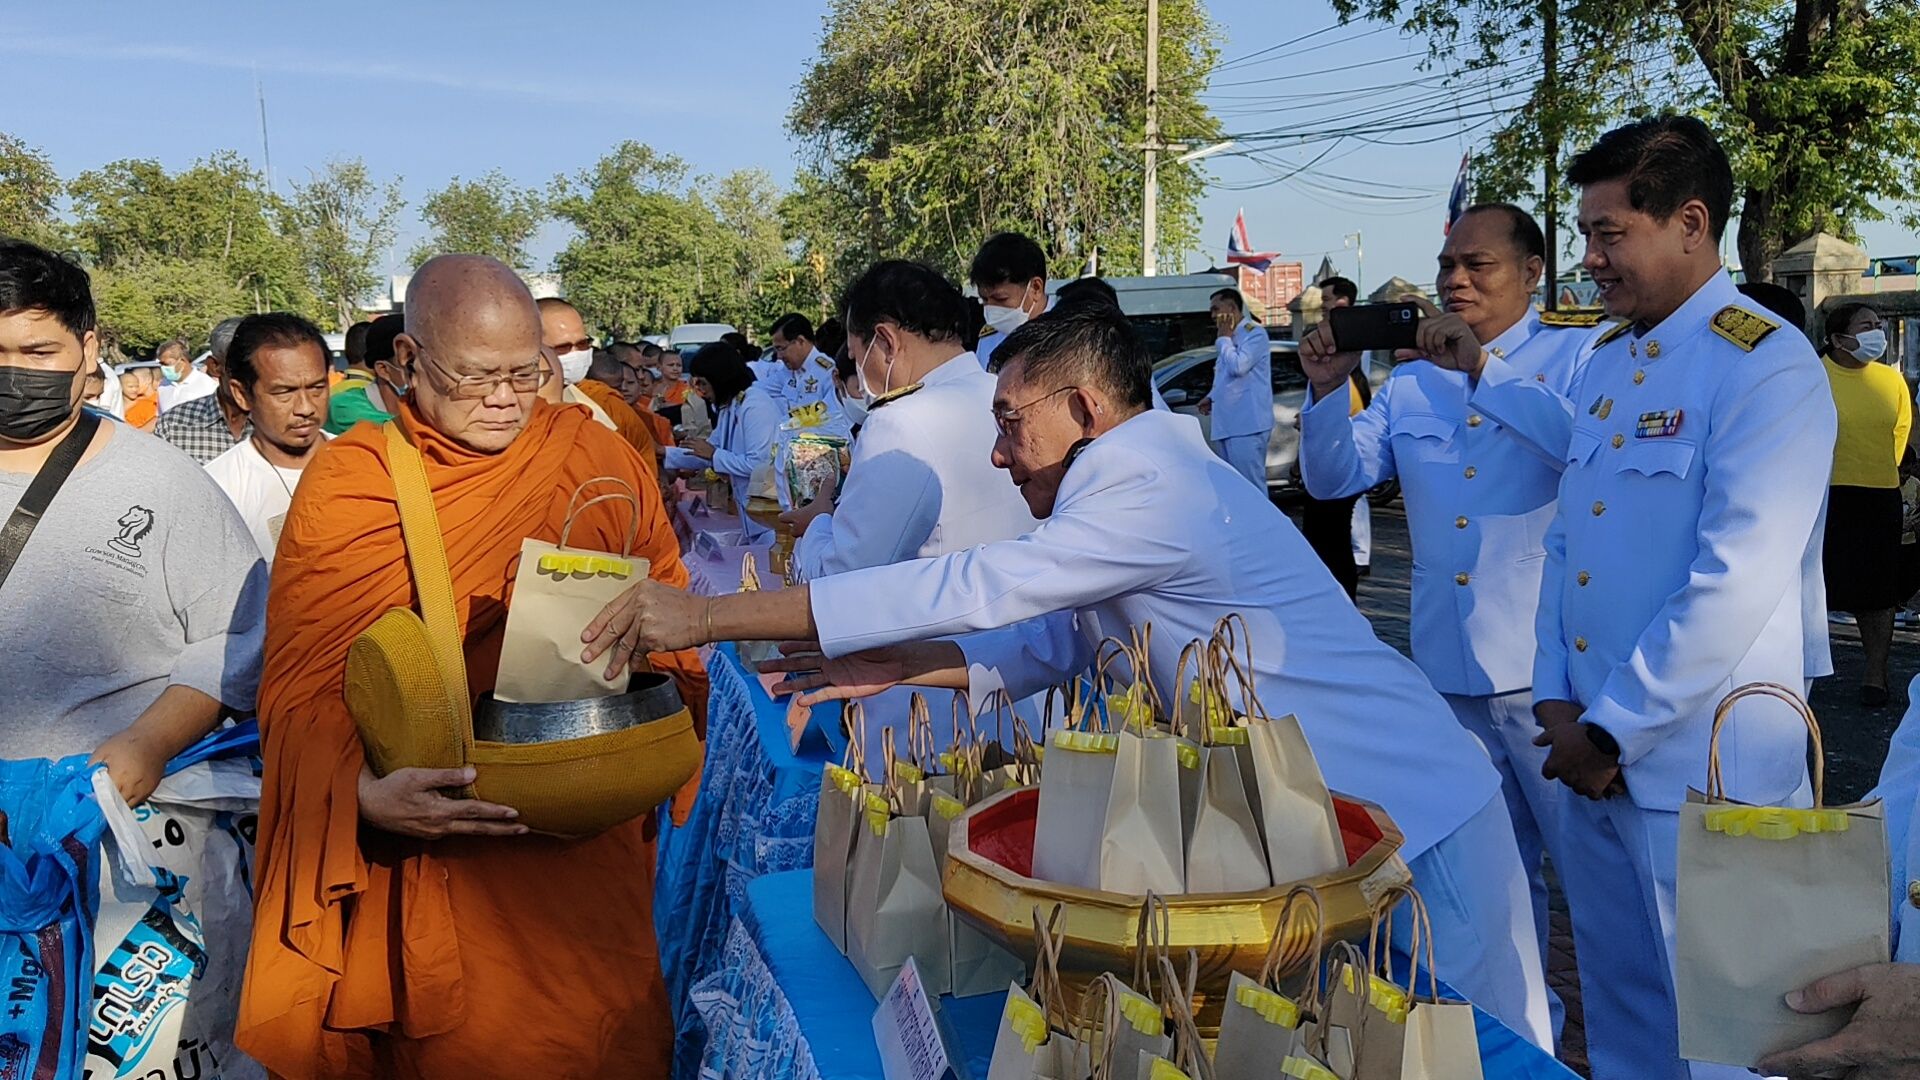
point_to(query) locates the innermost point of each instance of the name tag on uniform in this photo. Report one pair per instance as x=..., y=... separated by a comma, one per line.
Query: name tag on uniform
x=1657, y=425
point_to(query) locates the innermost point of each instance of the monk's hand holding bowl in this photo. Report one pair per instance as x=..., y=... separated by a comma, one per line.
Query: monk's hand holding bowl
x=411, y=802
x=648, y=617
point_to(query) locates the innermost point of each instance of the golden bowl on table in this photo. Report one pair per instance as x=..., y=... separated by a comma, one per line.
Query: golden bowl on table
x=991, y=848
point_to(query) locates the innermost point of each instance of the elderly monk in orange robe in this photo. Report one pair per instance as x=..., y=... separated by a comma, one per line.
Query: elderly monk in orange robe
x=399, y=932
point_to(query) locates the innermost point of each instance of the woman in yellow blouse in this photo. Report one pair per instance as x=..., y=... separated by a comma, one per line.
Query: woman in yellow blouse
x=1863, y=502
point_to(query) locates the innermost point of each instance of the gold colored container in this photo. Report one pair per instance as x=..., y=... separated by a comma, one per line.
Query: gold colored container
x=1230, y=930
x=767, y=512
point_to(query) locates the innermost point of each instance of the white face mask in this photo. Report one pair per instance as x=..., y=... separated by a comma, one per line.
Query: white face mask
x=856, y=412
x=866, y=393
x=1870, y=345
x=573, y=365
x=1004, y=320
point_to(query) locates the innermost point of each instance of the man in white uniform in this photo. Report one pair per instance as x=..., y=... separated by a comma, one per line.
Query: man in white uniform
x=1142, y=523
x=181, y=382
x=1479, y=493
x=922, y=480
x=276, y=370
x=1009, y=274
x=1702, y=441
x=803, y=375
x=1241, y=401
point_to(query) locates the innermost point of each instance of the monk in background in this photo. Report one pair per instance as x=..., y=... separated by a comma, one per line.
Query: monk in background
x=399, y=932
x=565, y=335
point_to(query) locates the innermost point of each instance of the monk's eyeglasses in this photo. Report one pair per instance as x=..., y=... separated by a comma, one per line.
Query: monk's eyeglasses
x=523, y=380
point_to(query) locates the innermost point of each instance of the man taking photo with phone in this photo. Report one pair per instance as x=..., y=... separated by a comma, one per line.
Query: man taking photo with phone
x=1479, y=493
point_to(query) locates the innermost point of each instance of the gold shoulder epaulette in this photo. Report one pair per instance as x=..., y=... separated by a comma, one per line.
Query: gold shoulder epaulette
x=1612, y=332
x=823, y=361
x=1742, y=327
x=1581, y=319
x=892, y=396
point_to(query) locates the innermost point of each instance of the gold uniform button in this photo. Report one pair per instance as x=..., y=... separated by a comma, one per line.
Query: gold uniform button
x=1580, y=644
x=1599, y=508
x=1461, y=578
x=1472, y=472
x=1639, y=377
x=1619, y=441
x=1584, y=578
x=1913, y=893
x=1459, y=523
x=1473, y=421
x=1653, y=350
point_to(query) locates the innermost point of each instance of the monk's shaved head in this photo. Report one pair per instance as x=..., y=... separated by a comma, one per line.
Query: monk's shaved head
x=470, y=321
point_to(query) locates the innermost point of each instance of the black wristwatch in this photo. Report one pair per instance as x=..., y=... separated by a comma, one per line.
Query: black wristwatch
x=1601, y=739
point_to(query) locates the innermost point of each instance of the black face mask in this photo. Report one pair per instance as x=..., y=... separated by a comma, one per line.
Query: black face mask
x=33, y=402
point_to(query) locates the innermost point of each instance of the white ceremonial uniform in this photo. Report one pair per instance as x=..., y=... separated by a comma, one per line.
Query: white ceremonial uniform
x=1699, y=458
x=810, y=384
x=742, y=451
x=1242, y=400
x=1150, y=526
x=1479, y=497
x=922, y=483
x=1899, y=788
x=196, y=385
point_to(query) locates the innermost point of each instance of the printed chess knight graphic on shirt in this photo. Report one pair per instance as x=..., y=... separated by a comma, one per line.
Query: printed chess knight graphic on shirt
x=135, y=524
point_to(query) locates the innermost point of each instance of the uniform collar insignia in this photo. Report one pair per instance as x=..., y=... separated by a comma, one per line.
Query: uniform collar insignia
x=1742, y=327
x=892, y=396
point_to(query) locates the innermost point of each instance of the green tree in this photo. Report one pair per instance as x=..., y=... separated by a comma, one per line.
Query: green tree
x=643, y=241
x=488, y=216
x=819, y=221
x=345, y=221
x=29, y=190
x=946, y=120
x=1812, y=98
x=762, y=279
x=143, y=301
x=217, y=211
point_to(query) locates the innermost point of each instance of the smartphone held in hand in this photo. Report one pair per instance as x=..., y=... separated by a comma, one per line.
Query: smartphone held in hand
x=1367, y=327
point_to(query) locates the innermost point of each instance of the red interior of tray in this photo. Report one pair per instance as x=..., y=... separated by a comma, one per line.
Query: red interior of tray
x=1003, y=832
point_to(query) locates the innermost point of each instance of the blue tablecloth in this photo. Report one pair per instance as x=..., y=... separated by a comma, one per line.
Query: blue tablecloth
x=785, y=1005
x=754, y=816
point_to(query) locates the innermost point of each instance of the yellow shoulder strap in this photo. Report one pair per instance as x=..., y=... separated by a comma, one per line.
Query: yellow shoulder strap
x=427, y=556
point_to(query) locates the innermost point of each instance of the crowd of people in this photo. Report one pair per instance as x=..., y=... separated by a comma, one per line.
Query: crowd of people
x=1614, y=522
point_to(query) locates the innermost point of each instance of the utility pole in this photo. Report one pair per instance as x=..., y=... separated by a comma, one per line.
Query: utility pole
x=1150, y=212
x=266, y=151
x=1359, y=264
x=1550, y=180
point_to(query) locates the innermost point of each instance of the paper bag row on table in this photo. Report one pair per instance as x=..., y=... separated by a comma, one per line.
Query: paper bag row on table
x=1137, y=796
x=878, y=854
x=1769, y=900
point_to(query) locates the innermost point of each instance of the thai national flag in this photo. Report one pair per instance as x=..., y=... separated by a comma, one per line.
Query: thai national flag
x=1457, y=202
x=1240, y=251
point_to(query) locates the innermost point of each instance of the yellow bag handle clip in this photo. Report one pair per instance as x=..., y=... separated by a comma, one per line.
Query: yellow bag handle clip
x=556, y=562
x=1268, y=1005
x=1774, y=822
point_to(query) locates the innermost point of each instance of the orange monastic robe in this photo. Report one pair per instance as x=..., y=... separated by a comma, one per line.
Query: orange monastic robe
x=630, y=424
x=379, y=955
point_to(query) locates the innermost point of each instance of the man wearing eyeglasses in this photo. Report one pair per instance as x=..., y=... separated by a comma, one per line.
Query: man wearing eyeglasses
x=376, y=894
x=1141, y=523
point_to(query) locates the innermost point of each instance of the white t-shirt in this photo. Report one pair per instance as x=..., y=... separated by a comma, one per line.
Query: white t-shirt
x=260, y=490
x=197, y=384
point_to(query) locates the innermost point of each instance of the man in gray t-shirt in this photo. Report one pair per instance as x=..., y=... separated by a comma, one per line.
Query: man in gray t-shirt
x=135, y=615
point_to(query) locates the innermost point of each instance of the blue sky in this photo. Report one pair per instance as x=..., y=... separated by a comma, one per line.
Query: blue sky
x=426, y=91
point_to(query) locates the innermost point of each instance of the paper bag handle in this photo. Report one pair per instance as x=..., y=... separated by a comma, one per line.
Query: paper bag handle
x=1189, y=1049
x=1045, y=987
x=1150, y=941
x=1716, y=791
x=575, y=507
x=854, y=717
x=1278, y=954
x=920, y=739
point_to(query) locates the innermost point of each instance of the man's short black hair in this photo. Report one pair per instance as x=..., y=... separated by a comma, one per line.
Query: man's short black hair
x=1838, y=318
x=606, y=368
x=724, y=369
x=356, y=345
x=1007, y=258
x=172, y=345
x=35, y=279
x=793, y=327
x=649, y=350
x=1527, y=236
x=741, y=345
x=380, y=337
x=1083, y=345
x=1086, y=290
x=830, y=336
x=1343, y=289
x=913, y=296
x=1666, y=161
x=1778, y=299
x=1239, y=301
x=275, y=329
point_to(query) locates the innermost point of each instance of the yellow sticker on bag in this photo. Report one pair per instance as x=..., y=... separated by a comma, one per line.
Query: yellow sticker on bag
x=947, y=806
x=1221, y=735
x=846, y=780
x=1166, y=1070
x=1189, y=755
x=1302, y=1069
x=906, y=772
x=1025, y=1019
x=1774, y=822
x=560, y=562
x=1142, y=1013
x=878, y=813
x=1087, y=742
x=1269, y=1006
x=1381, y=994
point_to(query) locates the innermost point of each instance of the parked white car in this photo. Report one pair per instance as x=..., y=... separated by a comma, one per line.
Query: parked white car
x=687, y=337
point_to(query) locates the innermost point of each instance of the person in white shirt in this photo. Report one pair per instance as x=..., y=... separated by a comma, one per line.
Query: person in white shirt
x=1241, y=401
x=802, y=374
x=922, y=480
x=1479, y=494
x=181, y=382
x=276, y=371
x=741, y=448
x=1009, y=274
x=1142, y=523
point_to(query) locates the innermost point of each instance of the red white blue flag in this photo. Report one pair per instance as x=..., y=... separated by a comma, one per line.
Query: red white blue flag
x=1240, y=251
x=1457, y=201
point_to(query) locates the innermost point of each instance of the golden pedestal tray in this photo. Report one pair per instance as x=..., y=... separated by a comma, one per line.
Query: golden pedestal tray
x=767, y=512
x=992, y=844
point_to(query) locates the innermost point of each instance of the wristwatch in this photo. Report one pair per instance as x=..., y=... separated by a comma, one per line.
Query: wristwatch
x=1601, y=740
